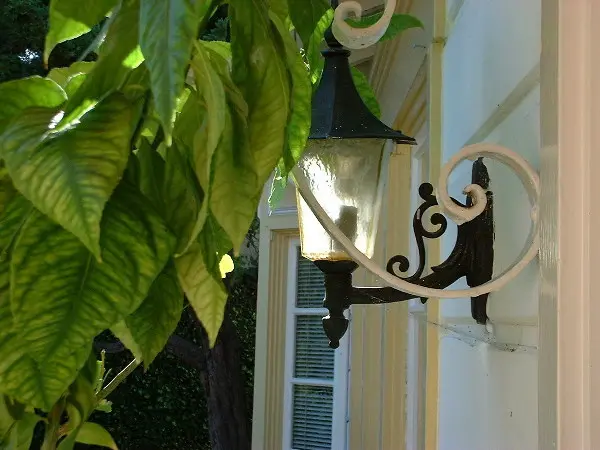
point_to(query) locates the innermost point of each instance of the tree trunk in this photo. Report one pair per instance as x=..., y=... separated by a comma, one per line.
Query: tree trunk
x=223, y=382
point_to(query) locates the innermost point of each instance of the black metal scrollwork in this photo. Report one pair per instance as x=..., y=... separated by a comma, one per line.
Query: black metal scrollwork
x=472, y=257
x=401, y=261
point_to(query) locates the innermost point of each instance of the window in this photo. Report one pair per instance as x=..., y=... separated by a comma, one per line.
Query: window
x=315, y=375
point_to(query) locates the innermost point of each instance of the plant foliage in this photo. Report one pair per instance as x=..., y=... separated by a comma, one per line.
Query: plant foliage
x=126, y=182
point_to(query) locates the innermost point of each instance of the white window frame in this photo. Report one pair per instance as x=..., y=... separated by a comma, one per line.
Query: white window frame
x=340, y=368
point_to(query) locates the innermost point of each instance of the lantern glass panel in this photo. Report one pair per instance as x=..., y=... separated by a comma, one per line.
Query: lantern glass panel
x=347, y=177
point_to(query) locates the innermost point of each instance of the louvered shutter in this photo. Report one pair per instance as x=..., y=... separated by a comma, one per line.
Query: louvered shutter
x=313, y=367
x=312, y=417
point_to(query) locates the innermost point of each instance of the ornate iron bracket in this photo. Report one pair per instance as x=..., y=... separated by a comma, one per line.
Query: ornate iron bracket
x=472, y=258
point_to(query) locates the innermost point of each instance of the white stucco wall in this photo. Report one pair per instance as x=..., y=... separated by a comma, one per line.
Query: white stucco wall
x=488, y=397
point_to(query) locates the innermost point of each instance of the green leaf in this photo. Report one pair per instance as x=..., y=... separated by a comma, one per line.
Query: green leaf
x=366, y=91
x=81, y=398
x=172, y=188
x=7, y=421
x=311, y=19
x=121, y=331
x=264, y=83
x=104, y=406
x=298, y=126
x=94, y=434
x=230, y=177
x=181, y=198
x=64, y=301
x=221, y=48
x=168, y=29
x=154, y=321
x=213, y=106
x=201, y=131
x=22, y=432
x=80, y=404
x=305, y=15
x=61, y=75
x=18, y=95
x=398, y=24
x=151, y=174
x=200, y=277
x=18, y=371
x=93, y=371
x=314, y=47
x=70, y=175
x=72, y=18
x=74, y=83
x=279, y=7
x=119, y=55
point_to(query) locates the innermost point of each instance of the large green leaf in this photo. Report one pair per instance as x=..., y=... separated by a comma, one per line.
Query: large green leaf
x=61, y=75
x=305, y=15
x=260, y=72
x=204, y=129
x=20, y=375
x=280, y=7
x=181, y=198
x=63, y=297
x=154, y=321
x=17, y=95
x=173, y=190
x=300, y=108
x=227, y=171
x=123, y=333
x=72, y=18
x=315, y=45
x=66, y=305
x=22, y=433
x=200, y=277
x=366, y=91
x=189, y=122
x=311, y=19
x=7, y=421
x=70, y=175
x=16, y=430
x=119, y=55
x=168, y=29
x=398, y=24
x=212, y=104
x=151, y=174
x=94, y=434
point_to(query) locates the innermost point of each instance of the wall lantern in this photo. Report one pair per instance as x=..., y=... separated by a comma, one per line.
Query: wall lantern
x=340, y=183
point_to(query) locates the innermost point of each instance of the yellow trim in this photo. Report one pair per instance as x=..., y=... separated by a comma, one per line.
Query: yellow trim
x=378, y=334
x=434, y=252
x=396, y=315
x=413, y=113
x=355, y=391
x=275, y=353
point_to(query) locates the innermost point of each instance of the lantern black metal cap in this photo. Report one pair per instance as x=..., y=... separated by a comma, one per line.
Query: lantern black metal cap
x=338, y=111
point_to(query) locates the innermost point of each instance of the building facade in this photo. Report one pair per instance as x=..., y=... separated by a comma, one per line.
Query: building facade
x=519, y=73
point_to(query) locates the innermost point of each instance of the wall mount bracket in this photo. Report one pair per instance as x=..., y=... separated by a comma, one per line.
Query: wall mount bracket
x=472, y=258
